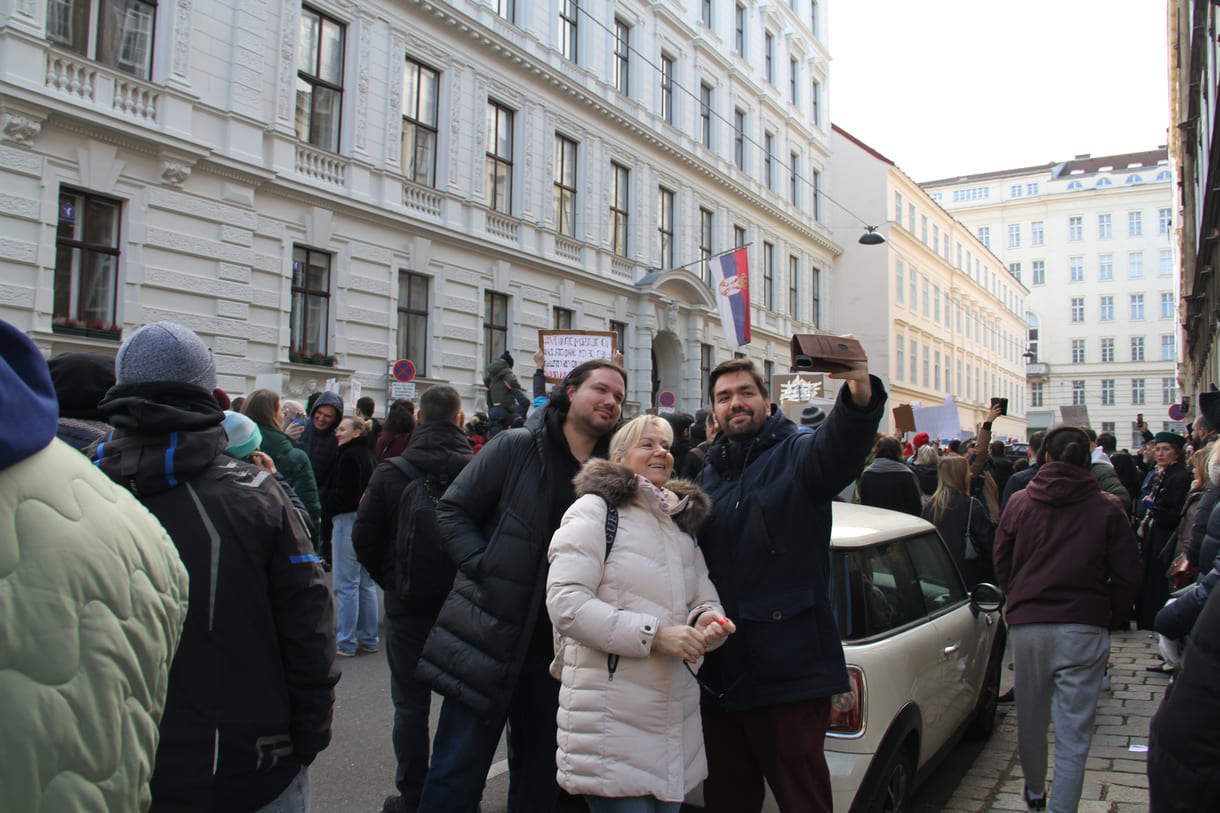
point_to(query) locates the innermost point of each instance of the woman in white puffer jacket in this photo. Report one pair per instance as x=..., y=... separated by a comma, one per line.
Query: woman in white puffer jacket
x=631, y=615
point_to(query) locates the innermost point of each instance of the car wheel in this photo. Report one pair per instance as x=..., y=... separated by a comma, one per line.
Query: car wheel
x=897, y=780
x=983, y=721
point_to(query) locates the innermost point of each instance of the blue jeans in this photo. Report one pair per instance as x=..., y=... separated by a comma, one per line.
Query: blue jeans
x=405, y=635
x=294, y=799
x=630, y=804
x=355, y=591
x=464, y=747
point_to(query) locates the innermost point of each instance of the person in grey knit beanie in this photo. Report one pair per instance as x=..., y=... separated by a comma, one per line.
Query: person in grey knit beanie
x=165, y=351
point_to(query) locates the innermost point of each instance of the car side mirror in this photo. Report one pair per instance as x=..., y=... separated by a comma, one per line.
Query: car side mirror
x=986, y=598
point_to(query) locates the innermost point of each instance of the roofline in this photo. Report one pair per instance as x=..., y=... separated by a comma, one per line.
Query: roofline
x=837, y=129
x=1118, y=160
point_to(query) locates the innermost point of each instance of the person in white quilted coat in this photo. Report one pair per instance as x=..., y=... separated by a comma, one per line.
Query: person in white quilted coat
x=633, y=610
x=93, y=597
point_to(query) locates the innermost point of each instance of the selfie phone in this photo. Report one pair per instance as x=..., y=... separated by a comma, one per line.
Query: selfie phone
x=1002, y=403
x=298, y=419
x=813, y=352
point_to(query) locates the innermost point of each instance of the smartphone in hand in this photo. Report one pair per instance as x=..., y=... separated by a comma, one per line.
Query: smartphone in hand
x=1002, y=403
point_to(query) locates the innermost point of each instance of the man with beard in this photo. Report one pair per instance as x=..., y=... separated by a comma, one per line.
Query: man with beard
x=768, y=551
x=491, y=648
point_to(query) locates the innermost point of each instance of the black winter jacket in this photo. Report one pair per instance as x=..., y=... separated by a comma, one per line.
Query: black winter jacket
x=890, y=484
x=322, y=447
x=768, y=552
x=437, y=448
x=251, y=689
x=497, y=519
x=354, y=466
x=961, y=514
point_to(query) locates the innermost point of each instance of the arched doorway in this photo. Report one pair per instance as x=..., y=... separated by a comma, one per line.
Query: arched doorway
x=666, y=367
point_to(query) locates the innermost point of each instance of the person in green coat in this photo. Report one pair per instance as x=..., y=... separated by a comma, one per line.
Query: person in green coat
x=263, y=407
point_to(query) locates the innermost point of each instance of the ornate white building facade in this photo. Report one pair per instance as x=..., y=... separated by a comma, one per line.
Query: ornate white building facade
x=320, y=188
x=1091, y=238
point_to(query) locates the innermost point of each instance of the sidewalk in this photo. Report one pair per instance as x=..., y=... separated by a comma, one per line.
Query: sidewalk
x=1115, y=780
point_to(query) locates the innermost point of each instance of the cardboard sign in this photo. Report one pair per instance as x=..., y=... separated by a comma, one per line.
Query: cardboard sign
x=1077, y=415
x=904, y=419
x=565, y=350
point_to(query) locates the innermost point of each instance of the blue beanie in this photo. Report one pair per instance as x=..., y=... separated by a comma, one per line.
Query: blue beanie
x=165, y=351
x=244, y=434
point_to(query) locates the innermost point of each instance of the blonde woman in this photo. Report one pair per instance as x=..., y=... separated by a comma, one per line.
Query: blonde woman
x=957, y=515
x=633, y=609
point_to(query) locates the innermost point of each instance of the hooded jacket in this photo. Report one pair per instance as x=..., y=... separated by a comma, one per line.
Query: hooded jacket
x=500, y=381
x=889, y=484
x=1065, y=553
x=628, y=722
x=768, y=551
x=251, y=690
x=322, y=447
x=93, y=597
x=438, y=448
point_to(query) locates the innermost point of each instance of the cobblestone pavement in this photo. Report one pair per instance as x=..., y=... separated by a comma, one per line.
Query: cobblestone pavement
x=1115, y=780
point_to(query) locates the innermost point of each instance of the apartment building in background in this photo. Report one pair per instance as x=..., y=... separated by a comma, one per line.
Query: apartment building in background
x=939, y=313
x=1091, y=238
x=319, y=188
x=1194, y=76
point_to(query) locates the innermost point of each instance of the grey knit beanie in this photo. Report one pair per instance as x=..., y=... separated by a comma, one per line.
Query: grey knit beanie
x=165, y=351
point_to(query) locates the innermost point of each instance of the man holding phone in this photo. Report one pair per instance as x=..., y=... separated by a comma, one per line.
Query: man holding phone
x=768, y=553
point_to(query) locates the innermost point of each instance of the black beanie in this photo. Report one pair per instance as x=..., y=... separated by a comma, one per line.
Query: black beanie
x=81, y=380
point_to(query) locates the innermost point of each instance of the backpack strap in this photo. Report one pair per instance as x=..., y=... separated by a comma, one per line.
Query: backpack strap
x=611, y=528
x=409, y=469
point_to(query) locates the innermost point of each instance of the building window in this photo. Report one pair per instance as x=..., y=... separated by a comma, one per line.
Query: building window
x=1137, y=391
x=914, y=289
x=1039, y=272
x=561, y=318
x=1107, y=309
x=1105, y=267
x=816, y=177
x=739, y=237
x=319, y=80
x=899, y=358
x=1135, y=264
x=1075, y=228
x=1137, y=306
x=1107, y=392
x=1166, y=306
x=927, y=366
x=769, y=57
x=936, y=371
x=739, y=30
x=619, y=329
x=619, y=178
x=565, y=185
x=705, y=244
x=1076, y=269
x=707, y=359
x=926, y=289
x=118, y=33
x=739, y=138
x=1104, y=182
x=568, y=28
x=984, y=236
x=815, y=96
x=310, y=318
x=622, y=57
x=1169, y=391
x=768, y=276
x=87, y=261
x=505, y=9
x=1107, y=351
x=420, y=86
x=1014, y=235
x=1104, y=231
x=1035, y=394
x=1166, y=263
x=1137, y=348
x=899, y=293
x=971, y=193
x=705, y=115
x=794, y=302
x=498, y=183
x=1037, y=233
x=1078, y=351
x=413, y=319
x=1015, y=270
x=667, y=88
x=1135, y=224
x=705, y=12
x=914, y=362
x=1077, y=309
x=794, y=194
x=1164, y=219
x=1015, y=191
x=665, y=226
x=1078, y=393
x=815, y=290
x=813, y=17
x=1169, y=348
x=768, y=160
x=936, y=304
x=495, y=326
x=794, y=72
x=911, y=218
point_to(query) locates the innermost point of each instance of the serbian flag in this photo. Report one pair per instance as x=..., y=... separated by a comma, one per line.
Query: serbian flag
x=731, y=284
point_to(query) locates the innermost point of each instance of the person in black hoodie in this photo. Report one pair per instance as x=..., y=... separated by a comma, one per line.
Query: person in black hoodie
x=251, y=689
x=319, y=442
x=437, y=448
x=888, y=482
x=355, y=592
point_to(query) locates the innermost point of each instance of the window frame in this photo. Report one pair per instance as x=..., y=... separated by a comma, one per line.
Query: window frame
x=299, y=318
x=417, y=124
x=665, y=226
x=408, y=314
x=569, y=30
x=94, y=39
x=620, y=200
x=495, y=334
x=315, y=81
x=622, y=56
x=565, y=185
x=497, y=114
x=72, y=314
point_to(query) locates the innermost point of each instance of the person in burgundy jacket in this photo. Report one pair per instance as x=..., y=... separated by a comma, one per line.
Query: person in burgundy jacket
x=1067, y=558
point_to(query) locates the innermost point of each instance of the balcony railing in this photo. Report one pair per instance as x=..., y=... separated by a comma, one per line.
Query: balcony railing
x=422, y=199
x=1037, y=369
x=321, y=166
x=91, y=83
x=498, y=225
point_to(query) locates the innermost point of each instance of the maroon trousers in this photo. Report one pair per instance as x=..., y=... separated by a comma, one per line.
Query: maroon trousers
x=783, y=744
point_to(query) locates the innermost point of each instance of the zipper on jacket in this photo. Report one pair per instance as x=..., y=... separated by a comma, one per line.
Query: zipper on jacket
x=612, y=665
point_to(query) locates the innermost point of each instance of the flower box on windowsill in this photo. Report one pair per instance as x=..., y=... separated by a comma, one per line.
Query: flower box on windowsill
x=111, y=333
x=300, y=357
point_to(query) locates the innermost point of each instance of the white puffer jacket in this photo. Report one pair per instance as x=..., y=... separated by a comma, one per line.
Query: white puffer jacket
x=628, y=719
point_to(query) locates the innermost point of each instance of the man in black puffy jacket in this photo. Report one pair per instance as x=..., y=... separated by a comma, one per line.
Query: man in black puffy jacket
x=491, y=647
x=251, y=690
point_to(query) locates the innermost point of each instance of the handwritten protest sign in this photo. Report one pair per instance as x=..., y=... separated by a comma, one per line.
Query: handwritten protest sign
x=564, y=350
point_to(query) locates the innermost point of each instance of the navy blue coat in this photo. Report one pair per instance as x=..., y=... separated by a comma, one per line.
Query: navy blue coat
x=767, y=547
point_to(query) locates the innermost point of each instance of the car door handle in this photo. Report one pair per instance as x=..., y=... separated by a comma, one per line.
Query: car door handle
x=949, y=650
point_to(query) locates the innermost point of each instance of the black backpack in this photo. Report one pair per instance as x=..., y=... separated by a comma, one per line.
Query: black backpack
x=423, y=573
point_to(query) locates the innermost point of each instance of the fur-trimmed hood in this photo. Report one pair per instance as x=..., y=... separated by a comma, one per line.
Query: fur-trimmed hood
x=617, y=485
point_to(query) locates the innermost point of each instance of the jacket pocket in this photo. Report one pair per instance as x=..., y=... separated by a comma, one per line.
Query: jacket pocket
x=782, y=634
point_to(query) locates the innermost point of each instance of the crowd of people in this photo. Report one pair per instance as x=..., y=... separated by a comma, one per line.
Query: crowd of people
x=550, y=569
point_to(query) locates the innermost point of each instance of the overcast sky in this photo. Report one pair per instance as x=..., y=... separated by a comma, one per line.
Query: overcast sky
x=953, y=87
